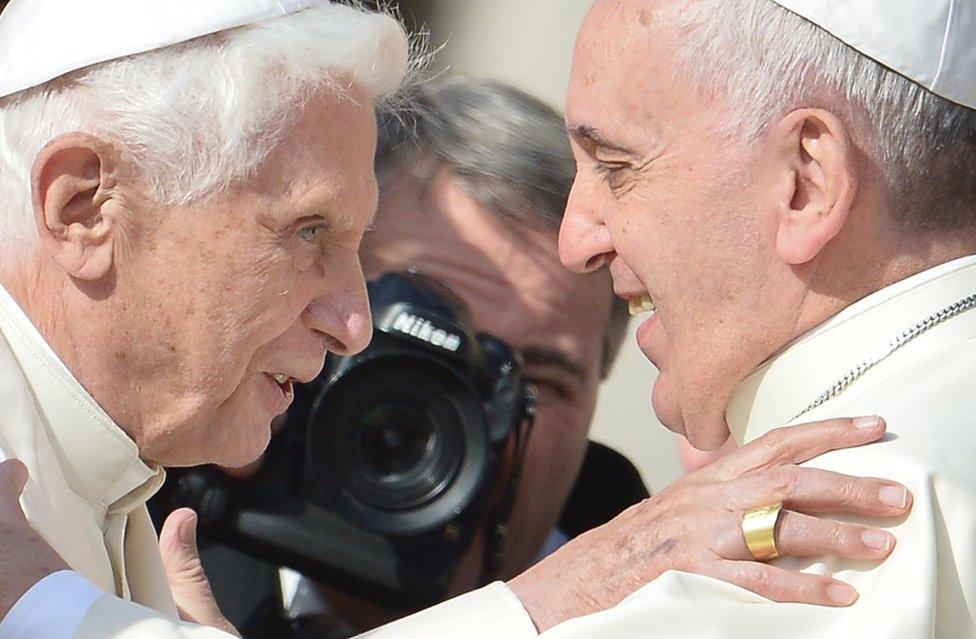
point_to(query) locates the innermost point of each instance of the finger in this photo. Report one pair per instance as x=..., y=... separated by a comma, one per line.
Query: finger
x=812, y=490
x=785, y=586
x=184, y=571
x=821, y=491
x=797, y=444
x=13, y=477
x=800, y=535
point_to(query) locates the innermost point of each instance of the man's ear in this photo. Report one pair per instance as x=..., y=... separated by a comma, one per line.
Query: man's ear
x=820, y=157
x=71, y=184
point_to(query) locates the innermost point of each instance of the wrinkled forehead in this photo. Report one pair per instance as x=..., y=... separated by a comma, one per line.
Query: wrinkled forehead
x=620, y=61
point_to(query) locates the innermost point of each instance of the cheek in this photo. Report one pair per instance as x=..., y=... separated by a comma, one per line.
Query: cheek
x=245, y=422
x=552, y=463
x=556, y=450
x=276, y=302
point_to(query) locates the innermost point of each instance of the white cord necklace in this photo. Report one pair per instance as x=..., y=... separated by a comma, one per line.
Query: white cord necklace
x=903, y=338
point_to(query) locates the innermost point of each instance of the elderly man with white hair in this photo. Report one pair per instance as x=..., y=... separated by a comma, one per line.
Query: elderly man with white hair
x=793, y=184
x=186, y=185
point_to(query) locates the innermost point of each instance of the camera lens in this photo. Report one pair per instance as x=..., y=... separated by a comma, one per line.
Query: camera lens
x=395, y=439
x=399, y=445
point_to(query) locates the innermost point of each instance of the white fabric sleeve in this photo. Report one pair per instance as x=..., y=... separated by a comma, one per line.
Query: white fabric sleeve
x=494, y=612
x=52, y=609
x=114, y=618
x=65, y=605
x=489, y=613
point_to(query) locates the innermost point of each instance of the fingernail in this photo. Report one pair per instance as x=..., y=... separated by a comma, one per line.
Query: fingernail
x=841, y=594
x=867, y=423
x=188, y=532
x=877, y=539
x=894, y=497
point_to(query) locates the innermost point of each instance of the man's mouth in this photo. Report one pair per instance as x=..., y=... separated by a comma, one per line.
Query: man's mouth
x=641, y=304
x=284, y=383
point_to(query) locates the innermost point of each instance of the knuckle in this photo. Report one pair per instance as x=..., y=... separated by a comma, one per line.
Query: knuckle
x=808, y=589
x=789, y=478
x=729, y=542
x=776, y=439
x=840, y=538
x=779, y=480
x=853, y=492
x=758, y=579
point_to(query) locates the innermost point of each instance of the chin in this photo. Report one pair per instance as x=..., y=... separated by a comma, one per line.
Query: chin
x=703, y=434
x=244, y=448
x=229, y=447
x=664, y=401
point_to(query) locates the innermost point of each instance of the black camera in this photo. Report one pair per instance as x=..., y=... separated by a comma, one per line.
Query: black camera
x=389, y=461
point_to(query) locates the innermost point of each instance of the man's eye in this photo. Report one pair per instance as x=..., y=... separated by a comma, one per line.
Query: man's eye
x=547, y=388
x=309, y=233
x=610, y=171
x=615, y=174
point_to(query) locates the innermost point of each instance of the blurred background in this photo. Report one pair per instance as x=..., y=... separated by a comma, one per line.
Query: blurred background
x=530, y=44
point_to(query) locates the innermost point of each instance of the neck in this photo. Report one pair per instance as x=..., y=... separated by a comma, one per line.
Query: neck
x=44, y=300
x=845, y=275
x=822, y=364
x=54, y=304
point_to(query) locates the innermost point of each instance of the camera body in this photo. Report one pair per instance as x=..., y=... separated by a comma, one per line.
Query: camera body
x=389, y=461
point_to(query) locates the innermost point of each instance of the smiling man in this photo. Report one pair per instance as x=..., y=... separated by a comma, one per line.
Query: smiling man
x=793, y=186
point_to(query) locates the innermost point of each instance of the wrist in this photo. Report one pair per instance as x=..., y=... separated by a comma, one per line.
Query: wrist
x=552, y=592
x=532, y=593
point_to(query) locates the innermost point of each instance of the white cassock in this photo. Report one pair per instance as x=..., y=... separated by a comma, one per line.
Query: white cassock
x=926, y=390
x=86, y=496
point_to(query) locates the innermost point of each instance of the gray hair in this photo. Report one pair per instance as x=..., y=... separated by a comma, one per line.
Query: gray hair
x=768, y=61
x=197, y=117
x=509, y=151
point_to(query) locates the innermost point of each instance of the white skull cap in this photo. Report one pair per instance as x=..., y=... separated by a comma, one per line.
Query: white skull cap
x=932, y=42
x=44, y=39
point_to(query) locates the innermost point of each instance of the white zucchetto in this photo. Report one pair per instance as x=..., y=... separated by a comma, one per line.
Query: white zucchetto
x=932, y=42
x=44, y=39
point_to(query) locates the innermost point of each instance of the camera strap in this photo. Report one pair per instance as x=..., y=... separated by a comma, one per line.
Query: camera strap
x=502, y=510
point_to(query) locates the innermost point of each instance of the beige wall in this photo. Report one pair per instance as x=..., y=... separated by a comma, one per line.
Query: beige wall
x=529, y=43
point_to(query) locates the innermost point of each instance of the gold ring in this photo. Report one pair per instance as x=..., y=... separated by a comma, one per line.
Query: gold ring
x=759, y=529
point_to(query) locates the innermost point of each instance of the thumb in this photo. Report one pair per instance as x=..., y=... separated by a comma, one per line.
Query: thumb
x=13, y=478
x=184, y=571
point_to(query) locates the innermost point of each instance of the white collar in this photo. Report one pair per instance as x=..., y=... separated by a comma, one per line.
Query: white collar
x=783, y=387
x=100, y=461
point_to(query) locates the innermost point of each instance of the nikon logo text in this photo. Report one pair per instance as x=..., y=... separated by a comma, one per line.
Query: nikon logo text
x=425, y=331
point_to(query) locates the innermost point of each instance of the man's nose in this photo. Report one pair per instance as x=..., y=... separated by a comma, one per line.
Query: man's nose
x=584, y=242
x=343, y=318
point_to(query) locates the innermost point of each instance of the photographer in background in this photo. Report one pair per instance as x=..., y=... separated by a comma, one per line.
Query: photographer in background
x=473, y=186
x=472, y=190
